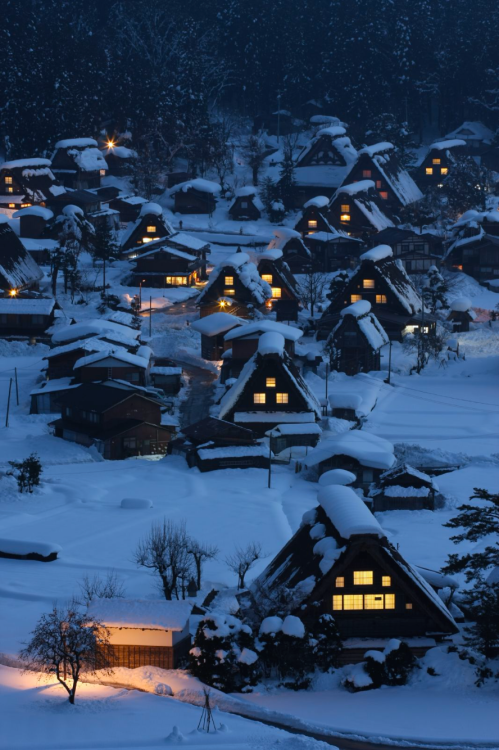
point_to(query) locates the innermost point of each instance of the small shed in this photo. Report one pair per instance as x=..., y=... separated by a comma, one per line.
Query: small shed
x=116, y=363
x=145, y=633
x=247, y=206
x=211, y=457
x=167, y=376
x=196, y=196
x=285, y=436
x=209, y=434
x=26, y=317
x=461, y=314
x=356, y=342
x=33, y=221
x=404, y=488
x=213, y=329
x=45, y=399
x=150, y=226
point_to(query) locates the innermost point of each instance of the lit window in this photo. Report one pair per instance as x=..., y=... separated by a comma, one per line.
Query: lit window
x=102, y=172
x=366, y=174
x=436, y=161
x=312, y=224
x=282, y=398
x=25, y=205
x=383, y=195
x=389, y=601
x=229, y=292
x=408, y=605
x=362, y=578
x=8, y=180
x=270, y=382
x=355, y=298
x=344, y=217
x=381, y=299
x=379, y=184
x=368, y=283
x=151, y=229
x=429, y=170
x=229, y=281
x=168, y=279
x=337, y=602
x=345, y=208
x=386, y=581
x=10, y=189
x=353, y=601
x=340, y=582
x=12, y=205
x=444, y=170
x=276, y=292
x=259, y=398
x=373, y=601
x=267, y=277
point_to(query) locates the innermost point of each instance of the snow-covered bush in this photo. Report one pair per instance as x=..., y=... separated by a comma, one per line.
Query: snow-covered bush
x=389, y=667
x=286, y=650
x=326, y=643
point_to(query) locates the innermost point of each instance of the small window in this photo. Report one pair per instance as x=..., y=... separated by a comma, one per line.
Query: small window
x=381, y=299
x=340, y=582
x=270, y=382
x=102, y=172
x=436, y=161
x=355, y=298
x=345, y=208
x=259, y=398
x=444, y=170
x=386, y=580
x=8, y=180
x=25, y=205
x=353, y=601
x=373, y=601
x=379, y=184
x=429, y=170
x=244, y=204
x=345, y=217
x=389, y=601
x=368, y=283
x=151, y=229
x=383, y=195
x=229, y=281
x=130, y=443
x=312, y=224
x=362, y=577
x=282, y=398
x=366, y=174
x=69, y=411
x=229, y=292
x=337, y=602
x=10, y=189
x=408, y=605
x=276, y=292
x=267, y=277
x=12, y=205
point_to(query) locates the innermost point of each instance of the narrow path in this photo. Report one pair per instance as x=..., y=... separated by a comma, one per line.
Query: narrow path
x=197, y=404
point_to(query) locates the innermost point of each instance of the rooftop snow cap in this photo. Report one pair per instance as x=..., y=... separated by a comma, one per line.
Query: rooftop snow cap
x=461, y=304
x=337, y=477
x=377, y=148
x=20, y=163
x=356, y=187
x=443, y=145
x=320, y=201
x=378, y=253
x=151, y=208
x=271, y=343
x=358, y=309
x=348, y=512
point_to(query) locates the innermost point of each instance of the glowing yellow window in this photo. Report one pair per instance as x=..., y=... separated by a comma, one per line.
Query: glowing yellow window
x=151, y=229
x=389, y=601
x=276, y=292
x=386, y=581
x=344, y=217
x=10, y=189
x=444, y=170
x=267, y=277
x=25, y=205
x=368, y=283
x=366, y=174
x=12, y=205
x=337, y=602
x=408, y=605
x=362, y=577
x=229, y=292
x=340, y=582
x=312, y=224
x=383, y=195
x=102, y=172
x=270, y=382
x=8, y=180
x=282, y=398
x=259, y=398
x=381, y=299
x=355, y=298
x=436, y=161
x=229, y=281
x=429, y=170
x=168, y=279
x=373, y=601
x=353, y=601
x=345, y=208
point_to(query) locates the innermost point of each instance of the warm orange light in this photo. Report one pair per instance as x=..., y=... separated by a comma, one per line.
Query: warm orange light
x=110, y=144
x=13, y=292
x=222, y=303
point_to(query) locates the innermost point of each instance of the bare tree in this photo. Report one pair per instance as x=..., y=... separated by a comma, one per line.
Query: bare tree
x=66, y=642
x=222, y=151
x=165, y=550
x=312, y=288
x=242, y=560
x=200, y=554
x=111, y=587
x=253, y=151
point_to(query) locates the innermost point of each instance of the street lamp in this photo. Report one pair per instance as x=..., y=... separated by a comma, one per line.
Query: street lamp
x=143, y=281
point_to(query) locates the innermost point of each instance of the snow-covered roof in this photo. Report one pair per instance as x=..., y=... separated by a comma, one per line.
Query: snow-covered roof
x=272, y=255
x=123, y=318
x=373, y=213
x=320, y=201
x=23, y=547
x=92, y=344
x=25, y=163
x=271, y=343
x=377, y=253
x=141, y=613
x=397, y=178
x=472, y=131
x=203, y=186
x=322, y=176
x=377, y=148
x=22, y=306
x=355, y=187
x=186, y=240
x=53, y=386
x=357, y=309
x=295, y=429
x=248, y=275
x=332, y=130
x=367, y=322
x=17, y=267
x=345, y=400
x=163, y=248
x=232, y=451
x=76, y=143
x=216, y=323
x=121, y=355
x=246, y=191
x=155, y=370
x=348, y=512
x=336, y=477
x=151, y=208
x=450, y=143
x=258, y=327
x=461, y=304
x=368, y=449
x=122, y=152
x=43, y=213
x=93, y=327
x=436, y=579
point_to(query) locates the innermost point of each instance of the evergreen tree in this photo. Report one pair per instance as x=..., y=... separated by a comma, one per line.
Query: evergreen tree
x=481, y=604
x=338, y=285
x=105, y=247
x=466, y=186
x=435, y=290
x=268, y=194
x=326, y=643
x=287, y=179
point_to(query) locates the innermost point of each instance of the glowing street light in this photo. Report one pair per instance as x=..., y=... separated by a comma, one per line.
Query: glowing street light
x=13, y=292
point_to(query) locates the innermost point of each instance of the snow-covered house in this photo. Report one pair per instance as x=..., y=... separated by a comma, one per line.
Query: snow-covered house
x=416, y=251
x=119, y=159
x=197, y=196
x=128, y=206
x=382, y=281
x=334, y=250
x=285, y=291
x=235, y=284
x=241, y=343
x=163, y=266
x=313, y=217
x=116, y=364
x=150, y=225
x=323, y=164
x=341, y=563
x=356, y=341
x=474, y=245
x=393, y=184
x=166, y=375
x=121, y=334
x=27, y=182
x=404, y=488
x=270, y=390
x=33, y=221
x=288, y=436
x=144, y=633
x=294, y=251
x=213, y=329
x=477, y=136
x=78, y=163
x=247, y=205
x=26, y=316
x=438, y=162
x=61, y=360
x=356, y=209
x=461, y=314
x=18, y=270
x=362, y=453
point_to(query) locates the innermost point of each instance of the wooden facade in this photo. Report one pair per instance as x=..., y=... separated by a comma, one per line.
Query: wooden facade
x=26, y=317
x=243, y=344
x=247, y=206
x=213, y=329
x=149, y=227
x=162, y=657
x=313, y=217
x=356, y=343
x=285, y=299
x=478, y=257
x=417, y=252
x=334, y=250
x=165, y=267
x=237, y=286
x=217, y=433
x=27, y=182
x=438, y=162
x=195, y=197
x=110, y=366
x=128, y=207
x=356, y=209
x=78, y=163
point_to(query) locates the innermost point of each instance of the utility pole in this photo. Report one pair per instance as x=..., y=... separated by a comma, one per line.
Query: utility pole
x=150, y=316
x=327, y=376
x=17, y=386
x=270, y=461
x=8, y=405
x=389, y=364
